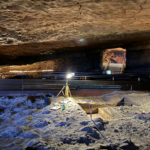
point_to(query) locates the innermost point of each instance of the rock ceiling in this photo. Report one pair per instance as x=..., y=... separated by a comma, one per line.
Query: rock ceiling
x=32, y=27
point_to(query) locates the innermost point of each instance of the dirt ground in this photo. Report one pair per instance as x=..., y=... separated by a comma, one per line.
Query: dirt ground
x=116, y=105
x=26, y=125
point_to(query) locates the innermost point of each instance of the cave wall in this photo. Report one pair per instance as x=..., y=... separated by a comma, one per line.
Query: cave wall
x=138, y=60
x=76, y=61
x=138, y=57
x=29, y=28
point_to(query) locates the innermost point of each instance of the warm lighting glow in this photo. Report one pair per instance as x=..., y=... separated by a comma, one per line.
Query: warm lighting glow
x=47, y=70
x=28, y=71
x=15, y=71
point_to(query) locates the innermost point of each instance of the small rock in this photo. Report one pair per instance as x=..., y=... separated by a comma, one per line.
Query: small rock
x=41, y=124
x=29, y=135
x=46, y=112
x=11, y=132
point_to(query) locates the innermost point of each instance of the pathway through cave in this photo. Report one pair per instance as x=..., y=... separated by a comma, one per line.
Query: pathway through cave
x=114, y=60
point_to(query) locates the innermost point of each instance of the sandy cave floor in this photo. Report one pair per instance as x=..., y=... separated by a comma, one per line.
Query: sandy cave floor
x=31, y=126
x=117, y=104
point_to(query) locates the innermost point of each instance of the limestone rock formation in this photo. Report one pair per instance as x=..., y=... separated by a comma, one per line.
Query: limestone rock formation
x=35, y=26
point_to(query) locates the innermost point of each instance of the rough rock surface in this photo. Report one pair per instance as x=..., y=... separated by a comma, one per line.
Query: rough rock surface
x=26, y=127
x=77, y=63
x=116, y=55
x=35, y=26
x=49, y=128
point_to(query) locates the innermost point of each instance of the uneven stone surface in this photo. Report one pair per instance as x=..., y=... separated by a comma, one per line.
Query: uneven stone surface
x=77, y=61
x=49, y=127
x=25, y=127
x=32, y=27
x=108, y=102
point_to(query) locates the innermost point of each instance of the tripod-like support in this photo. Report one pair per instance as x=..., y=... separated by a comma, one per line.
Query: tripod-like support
x=67, y=93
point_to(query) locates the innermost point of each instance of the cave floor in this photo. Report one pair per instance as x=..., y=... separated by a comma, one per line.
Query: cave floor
x=116, y=105
x=25, y=125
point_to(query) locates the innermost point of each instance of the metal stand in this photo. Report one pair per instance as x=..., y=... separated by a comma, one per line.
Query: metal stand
x=67, y=93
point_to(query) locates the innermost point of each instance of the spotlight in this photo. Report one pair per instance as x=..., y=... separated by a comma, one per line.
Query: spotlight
x=70, y=75
x=66, y=87
x=108, y=71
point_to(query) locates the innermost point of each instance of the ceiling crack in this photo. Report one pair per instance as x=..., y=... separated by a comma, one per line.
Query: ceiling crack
x=142, y=5
x=139, y=10
x=80, y=6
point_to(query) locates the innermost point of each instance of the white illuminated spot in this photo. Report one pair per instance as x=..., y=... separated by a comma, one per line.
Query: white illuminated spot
x=70, y=75
x=15, y=71
x=108, y=71
x=47, y=70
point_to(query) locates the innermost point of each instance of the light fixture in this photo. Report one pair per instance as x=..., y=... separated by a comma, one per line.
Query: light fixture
x=70, y=75
x=47, y=70
x=67, y=93
x=108, y=71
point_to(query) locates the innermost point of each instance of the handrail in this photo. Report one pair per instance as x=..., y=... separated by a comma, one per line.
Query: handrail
x=40, y=84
